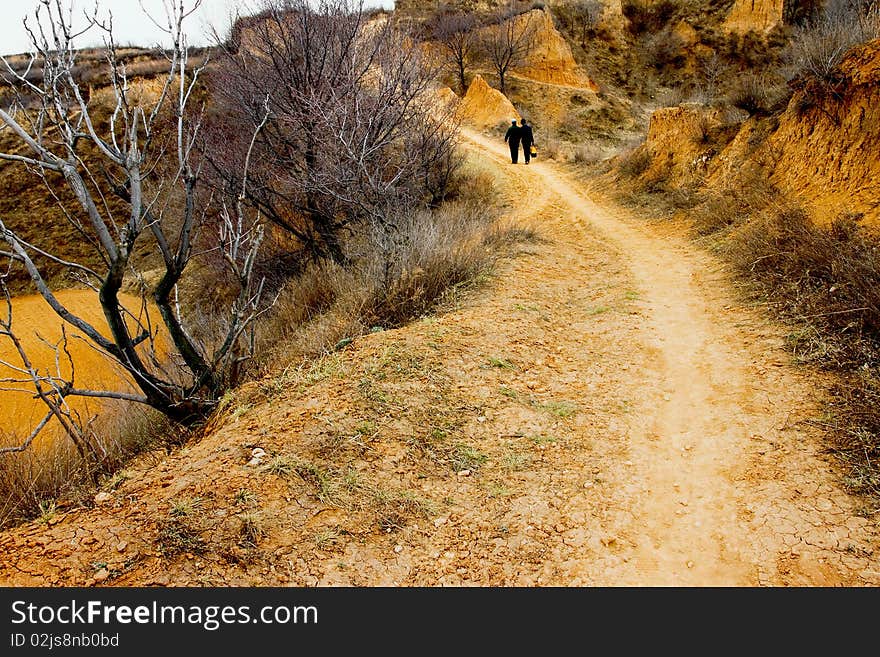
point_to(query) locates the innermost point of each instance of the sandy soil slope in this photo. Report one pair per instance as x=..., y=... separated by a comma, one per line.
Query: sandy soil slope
x=39, y=330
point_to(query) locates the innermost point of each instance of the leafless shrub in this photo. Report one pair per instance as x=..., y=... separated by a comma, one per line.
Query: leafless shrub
x=635, y=161
x=428, y=255
x=715, y=213
x=818, y=48
x=32, y=482
x=712, y=72
x=854, y=425
x=758, y=95
x=649, y=16
x=587, y=154
x=351, y=135
x=551, y=149
x=729, y=205
x=394, y=277
x=749, y=94
x=802, y=12
x=828, y=276
x=685, y=196
x=580, y=18
x=508, y=41
x=671, y=97
x=664, y=50
x=456, y=33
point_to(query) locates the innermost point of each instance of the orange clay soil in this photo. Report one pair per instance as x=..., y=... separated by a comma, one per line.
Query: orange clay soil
x=39, y=330
x=602, y=412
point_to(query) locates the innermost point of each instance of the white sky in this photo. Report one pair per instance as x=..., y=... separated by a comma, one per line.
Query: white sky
x=131, y=26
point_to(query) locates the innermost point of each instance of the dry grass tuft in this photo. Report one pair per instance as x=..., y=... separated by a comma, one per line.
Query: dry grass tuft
x=634, y=162
x=828, y=279
x=396, y=276
x=53, y=473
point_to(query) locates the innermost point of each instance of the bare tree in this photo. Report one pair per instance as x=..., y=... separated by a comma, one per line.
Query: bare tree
x=581, y=17
x=801, y=12
x=142, y=149
x=712, y=71
x=508, y=41
x=456, y=33
x=351, y=131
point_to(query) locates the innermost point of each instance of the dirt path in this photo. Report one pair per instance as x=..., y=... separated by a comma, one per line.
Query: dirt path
x=716, y=393
x=603, y=413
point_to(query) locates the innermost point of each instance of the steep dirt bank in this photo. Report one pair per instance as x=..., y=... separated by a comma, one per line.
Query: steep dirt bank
x=602, y=414
x=820, y=151
x=550, y=59
x=825, y=148
x=756, y=15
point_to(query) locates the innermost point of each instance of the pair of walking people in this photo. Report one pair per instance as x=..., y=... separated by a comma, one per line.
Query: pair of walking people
x=520, y=134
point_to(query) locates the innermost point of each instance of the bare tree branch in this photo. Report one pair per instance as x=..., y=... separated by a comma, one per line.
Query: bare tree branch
x=132, y=154
x=508, y=41
x=456, y=33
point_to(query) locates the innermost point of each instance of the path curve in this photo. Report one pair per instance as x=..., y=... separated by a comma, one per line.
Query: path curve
x=707, y=513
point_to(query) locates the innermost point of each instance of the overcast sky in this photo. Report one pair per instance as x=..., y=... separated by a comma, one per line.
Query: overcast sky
x=130, y=24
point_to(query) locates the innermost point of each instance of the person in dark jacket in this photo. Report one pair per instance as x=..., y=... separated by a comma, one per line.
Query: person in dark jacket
x=512, y=137
x=527, y=139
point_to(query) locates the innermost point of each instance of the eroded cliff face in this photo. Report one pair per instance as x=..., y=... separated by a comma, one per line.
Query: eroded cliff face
x=824, y=150
x=756, y=15
x=551, y=59
x=821, y=152
x=827, y=149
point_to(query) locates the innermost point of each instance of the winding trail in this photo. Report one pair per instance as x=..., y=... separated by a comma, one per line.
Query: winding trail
x=717, y=389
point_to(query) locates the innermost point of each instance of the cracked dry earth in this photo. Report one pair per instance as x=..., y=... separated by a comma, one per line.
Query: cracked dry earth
x=602, y=412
